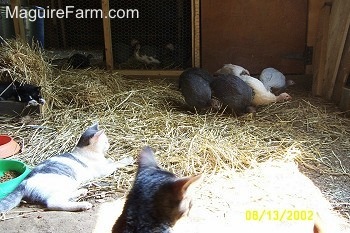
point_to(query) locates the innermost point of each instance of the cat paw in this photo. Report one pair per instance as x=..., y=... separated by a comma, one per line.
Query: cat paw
x=33, y=103
x=112, y=167
x=85, y=205
x=82, y=192
x=42, y=101
x=78, y=193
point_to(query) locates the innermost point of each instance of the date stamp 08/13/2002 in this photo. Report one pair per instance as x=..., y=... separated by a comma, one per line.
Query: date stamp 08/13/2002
x=279, y=215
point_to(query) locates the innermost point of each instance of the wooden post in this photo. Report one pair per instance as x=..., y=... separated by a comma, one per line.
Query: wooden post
x=313, y=16
x=345, y=99
x=62, y=26
x=338, y=29
x=320, y=52
x=107, y=35
x=196, y=62
x=343, y=72
x=18, y=23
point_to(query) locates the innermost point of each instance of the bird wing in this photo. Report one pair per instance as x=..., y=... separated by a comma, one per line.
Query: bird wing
x=261, y=95
x=272, y=78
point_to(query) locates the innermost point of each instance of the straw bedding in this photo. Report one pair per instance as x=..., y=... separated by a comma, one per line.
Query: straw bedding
x=139, y=112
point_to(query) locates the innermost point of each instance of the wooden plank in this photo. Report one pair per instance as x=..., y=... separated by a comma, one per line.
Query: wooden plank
x=150, y=72
x=320, y=52
x=107, y=35
x=343, y=71
x=314, y=11
x=254, y=34
x=62, y=26
x=345, y=99
x=196, y=49
x=18, y=23
x=338, y=28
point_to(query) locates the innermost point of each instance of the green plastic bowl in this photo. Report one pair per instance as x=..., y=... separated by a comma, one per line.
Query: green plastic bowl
x=12, y=165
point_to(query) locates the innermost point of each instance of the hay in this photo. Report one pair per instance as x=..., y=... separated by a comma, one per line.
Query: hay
x=139, y=112
x=25, y=64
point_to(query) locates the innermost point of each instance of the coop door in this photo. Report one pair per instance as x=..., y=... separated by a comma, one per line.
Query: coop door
x=254, y=34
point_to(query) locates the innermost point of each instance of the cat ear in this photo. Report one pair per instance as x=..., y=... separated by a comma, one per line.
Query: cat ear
x=98, y=133
x=181, y=185
x=146, y=158
x=94, y=126
x=96, y=136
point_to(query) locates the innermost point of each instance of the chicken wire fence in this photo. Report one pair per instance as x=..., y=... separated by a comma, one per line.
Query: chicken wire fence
x=162, y=30
x=71, y=32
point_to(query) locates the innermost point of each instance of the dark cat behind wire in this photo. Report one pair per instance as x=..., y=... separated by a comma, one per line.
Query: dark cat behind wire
x=55, y=183
x=21, y=92
x=157, y=199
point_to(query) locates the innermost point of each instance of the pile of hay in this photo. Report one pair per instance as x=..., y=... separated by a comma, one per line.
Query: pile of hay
x=140, y=112
x=25, y=64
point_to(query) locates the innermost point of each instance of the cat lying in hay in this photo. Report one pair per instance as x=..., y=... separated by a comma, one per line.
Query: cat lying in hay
x=157, y=199
x=55, y=182
x=26, y=93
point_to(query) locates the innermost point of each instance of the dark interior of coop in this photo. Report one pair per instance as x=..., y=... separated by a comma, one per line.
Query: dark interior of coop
x=160, y=25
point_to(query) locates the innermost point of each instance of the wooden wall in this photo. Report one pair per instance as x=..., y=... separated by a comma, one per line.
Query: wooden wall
x=331, y=65
x=254, y=34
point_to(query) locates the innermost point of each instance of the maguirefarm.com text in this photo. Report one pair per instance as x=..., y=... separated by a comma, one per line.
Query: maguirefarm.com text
x=70, y=11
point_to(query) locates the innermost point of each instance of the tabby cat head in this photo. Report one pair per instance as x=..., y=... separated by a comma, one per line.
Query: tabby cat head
x=94, y=139
x=171, y=199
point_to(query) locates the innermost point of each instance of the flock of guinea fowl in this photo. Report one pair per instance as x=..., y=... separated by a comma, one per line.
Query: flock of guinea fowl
x=233, y=89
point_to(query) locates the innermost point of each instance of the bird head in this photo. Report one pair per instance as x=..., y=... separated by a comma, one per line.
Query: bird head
x=290, y=82
x=283, y=97
x=215, y=104
x=233, y=69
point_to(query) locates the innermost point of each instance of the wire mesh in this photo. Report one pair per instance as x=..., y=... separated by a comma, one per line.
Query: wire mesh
x=162, y=30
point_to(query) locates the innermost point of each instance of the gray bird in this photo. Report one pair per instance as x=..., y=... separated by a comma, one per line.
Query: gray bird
x=234, y=93
x=274, y=80
x=194, y=84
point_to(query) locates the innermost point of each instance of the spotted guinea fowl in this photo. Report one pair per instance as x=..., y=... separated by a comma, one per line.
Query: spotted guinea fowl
x=274, y=80
x=194, y=84
x=261, y=95
x=146, y=54
x=233, y=93
x=232, y=69
x=79, y=60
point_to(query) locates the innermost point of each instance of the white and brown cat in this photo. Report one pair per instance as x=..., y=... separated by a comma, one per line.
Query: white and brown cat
x=55, y=183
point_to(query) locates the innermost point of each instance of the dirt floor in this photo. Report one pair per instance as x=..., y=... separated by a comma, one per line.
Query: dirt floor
x=33, y=220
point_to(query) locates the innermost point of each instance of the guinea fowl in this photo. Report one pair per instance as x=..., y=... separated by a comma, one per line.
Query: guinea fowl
x=232, y=69
x=194, y=84
x=274, y=80
x=233, y=93
x=146, y=54
x=79, y=60
x=261, y=95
